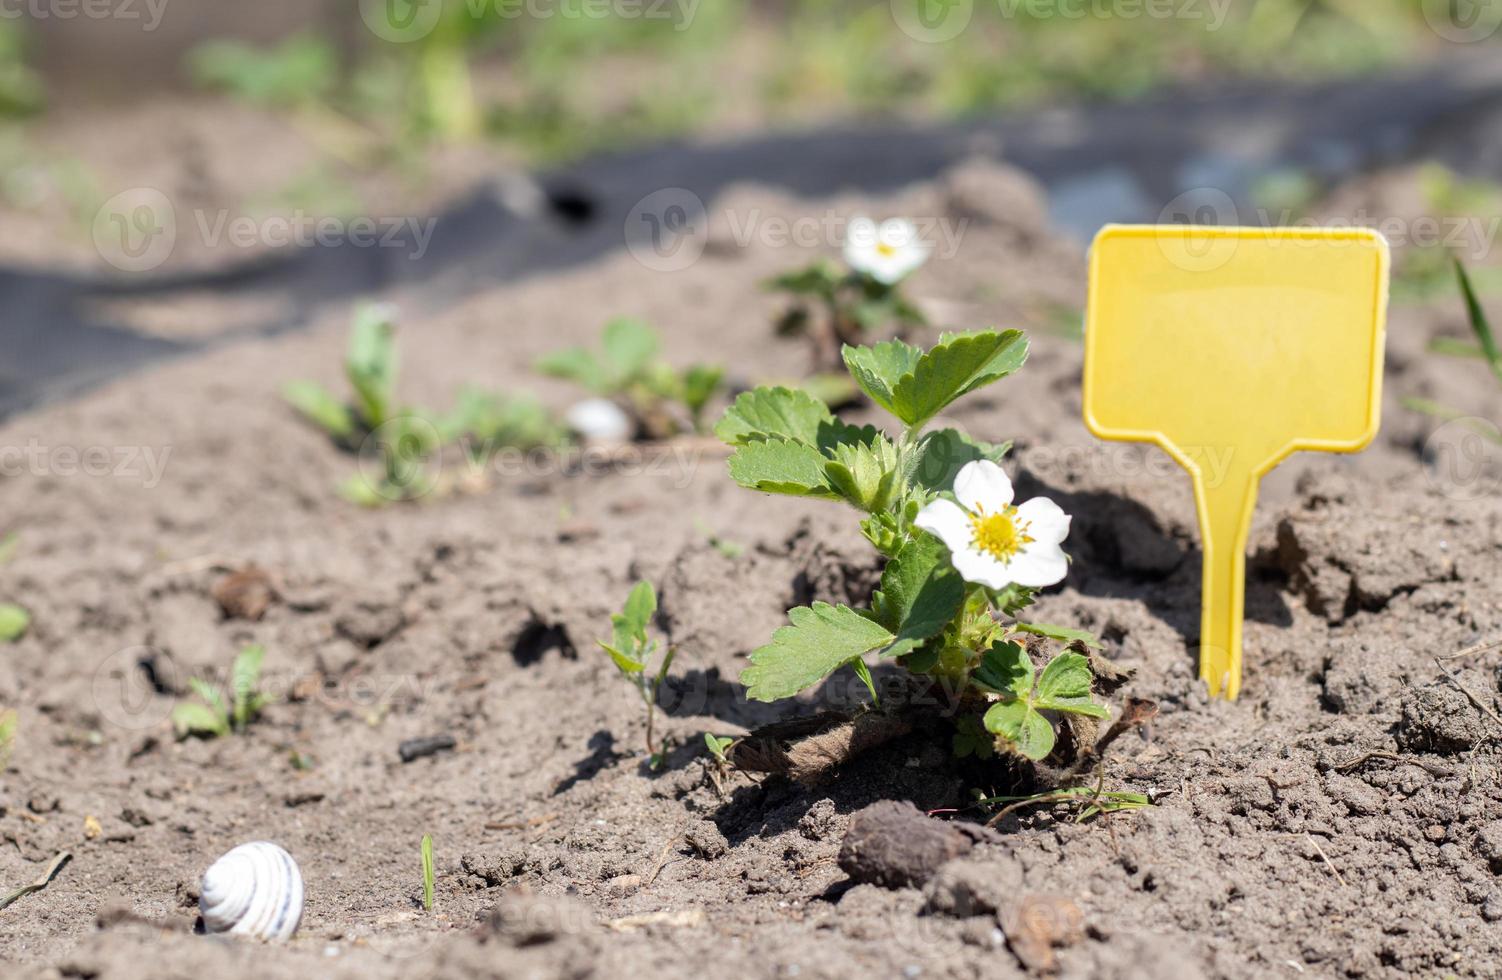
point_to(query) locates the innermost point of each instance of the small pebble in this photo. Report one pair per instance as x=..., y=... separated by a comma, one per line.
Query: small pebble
x=417, y=748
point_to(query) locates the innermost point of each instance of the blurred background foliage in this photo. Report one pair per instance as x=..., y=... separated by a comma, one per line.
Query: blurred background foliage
x=555, y=87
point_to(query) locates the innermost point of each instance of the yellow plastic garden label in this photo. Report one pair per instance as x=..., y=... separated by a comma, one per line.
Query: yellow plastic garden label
x=1232, y=348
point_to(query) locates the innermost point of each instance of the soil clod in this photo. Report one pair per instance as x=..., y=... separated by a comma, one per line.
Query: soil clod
x=895, y=845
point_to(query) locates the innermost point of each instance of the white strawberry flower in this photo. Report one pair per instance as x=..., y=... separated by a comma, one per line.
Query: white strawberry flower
x=888, y=252
x=993, y=543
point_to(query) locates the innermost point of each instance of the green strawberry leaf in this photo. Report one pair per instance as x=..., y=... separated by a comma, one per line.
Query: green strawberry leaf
x=958, y=365
x=1026, y=731
x=1006, y=669
x=943, y=453
x=879, y=369
x=774, y=413
x=1065, y=686
x=865, y=474
x=821, y=639
x=781, y=466
x=920, y=594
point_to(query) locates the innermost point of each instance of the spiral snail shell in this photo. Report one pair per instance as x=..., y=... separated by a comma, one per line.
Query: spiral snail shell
x=255, y=890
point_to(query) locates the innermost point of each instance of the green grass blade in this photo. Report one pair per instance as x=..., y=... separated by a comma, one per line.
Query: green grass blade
x=427, y=872
x=1479, y=322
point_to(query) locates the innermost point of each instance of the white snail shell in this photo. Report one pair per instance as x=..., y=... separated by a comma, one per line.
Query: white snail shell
x=254, y=890
x=599, y=420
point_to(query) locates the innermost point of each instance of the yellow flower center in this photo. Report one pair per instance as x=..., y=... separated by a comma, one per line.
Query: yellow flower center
x=999, y=535
x=886, y=251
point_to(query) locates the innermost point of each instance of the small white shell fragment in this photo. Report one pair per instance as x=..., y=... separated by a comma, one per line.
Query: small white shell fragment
x=599, y=420
x=255, y=890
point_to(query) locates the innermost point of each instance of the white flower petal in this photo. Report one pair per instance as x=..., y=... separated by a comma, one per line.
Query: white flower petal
x=981, y=568
x=898, y=232
x=1045, y=520
x=861, y=239
x=982, y=485
x=951, y=524
x=1039, y=566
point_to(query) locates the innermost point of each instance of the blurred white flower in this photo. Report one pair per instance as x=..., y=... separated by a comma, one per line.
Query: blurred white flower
x=993, y=543
x=888, y=253
x=599, y=420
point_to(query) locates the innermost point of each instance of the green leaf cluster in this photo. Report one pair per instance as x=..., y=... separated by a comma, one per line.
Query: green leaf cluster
x=626, y=366
x=215, y=714
x=407, y=439
x=923, y=615
x=1017, y=719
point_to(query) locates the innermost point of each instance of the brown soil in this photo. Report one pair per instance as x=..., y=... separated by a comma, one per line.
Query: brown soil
x=1342, y=819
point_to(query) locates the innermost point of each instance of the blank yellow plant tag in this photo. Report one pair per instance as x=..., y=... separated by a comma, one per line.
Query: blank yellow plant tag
x=1232, y=348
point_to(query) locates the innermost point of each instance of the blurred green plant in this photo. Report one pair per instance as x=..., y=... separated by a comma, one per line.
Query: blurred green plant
x=21, y=89
x=404, y=438
x=217, y=716
x=9, y=723
x=662, y=400
x=302, y=70
x=1485, y=349
x=560, y=87
x=14, y=620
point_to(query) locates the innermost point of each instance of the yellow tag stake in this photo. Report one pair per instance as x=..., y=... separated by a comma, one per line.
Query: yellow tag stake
x=1232, y=348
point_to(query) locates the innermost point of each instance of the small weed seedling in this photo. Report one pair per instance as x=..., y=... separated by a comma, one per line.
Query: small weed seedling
x=404, y=438
x=9, y=722
x=1484, y=349
x=964, y=560
x=718, y=746
x=14, y=620
x=633, y=652
x=427, y=872
x=833, y=306
x=214, y=717
x=661, y=400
